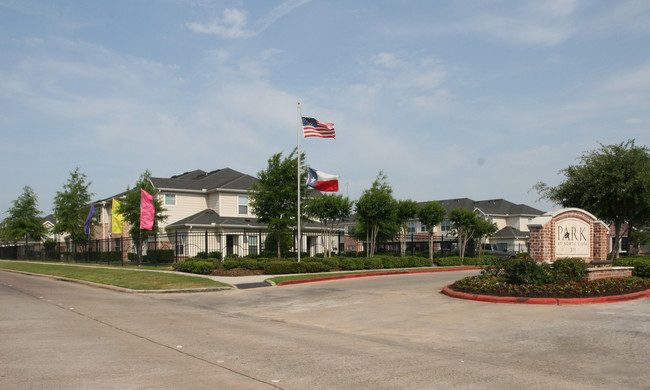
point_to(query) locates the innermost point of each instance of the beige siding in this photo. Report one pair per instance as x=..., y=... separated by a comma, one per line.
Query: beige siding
x=500, y=222
x=186, y=205
x=213, y=202
x=229, y=206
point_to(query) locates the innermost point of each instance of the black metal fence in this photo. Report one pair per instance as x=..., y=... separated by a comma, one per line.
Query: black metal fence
x=174, y=247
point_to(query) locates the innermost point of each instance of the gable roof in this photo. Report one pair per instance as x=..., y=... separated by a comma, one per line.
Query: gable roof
x=198, y=180
x=209, y=218
x=490, y=207
x=510, y=232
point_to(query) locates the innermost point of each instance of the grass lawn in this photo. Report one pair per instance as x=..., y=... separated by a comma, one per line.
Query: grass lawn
x=126, y=278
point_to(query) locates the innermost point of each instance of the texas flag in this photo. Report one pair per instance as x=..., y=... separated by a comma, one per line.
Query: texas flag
x=322, y=181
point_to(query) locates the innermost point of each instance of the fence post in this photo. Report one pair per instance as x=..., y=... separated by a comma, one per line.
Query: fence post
x=339, y=243
x=206, y=244
x=259, y=244
x=176, y=246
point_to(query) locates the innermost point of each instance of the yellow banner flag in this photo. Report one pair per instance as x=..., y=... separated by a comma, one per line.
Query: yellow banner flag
x=117, y=220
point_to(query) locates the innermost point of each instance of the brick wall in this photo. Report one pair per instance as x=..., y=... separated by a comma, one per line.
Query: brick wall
x=542, y=238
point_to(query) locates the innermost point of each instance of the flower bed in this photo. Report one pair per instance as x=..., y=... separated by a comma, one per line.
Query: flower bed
x=497, y=286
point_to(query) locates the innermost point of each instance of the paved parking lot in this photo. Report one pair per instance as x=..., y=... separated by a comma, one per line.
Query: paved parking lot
x=387, y=332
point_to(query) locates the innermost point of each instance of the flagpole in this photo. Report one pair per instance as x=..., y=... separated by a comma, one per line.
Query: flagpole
x=298, y=133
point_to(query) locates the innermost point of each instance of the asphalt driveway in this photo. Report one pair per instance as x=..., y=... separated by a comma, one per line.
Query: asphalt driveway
x=387, y=332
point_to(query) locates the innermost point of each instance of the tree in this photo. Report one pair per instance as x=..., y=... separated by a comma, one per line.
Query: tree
x=329, y=210
x=71, y=207
x=130, y=209
x=407, y=210
x=463, y=223
x=24, y=220
x=483, y=229
x=274, y=198
x=612, y=182
x=431, y=214
x=377, y=212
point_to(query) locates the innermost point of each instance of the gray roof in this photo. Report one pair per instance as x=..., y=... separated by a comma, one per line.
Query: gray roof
x=197, y=180
x=510, y=232
x=490, y=207
x=210, y=218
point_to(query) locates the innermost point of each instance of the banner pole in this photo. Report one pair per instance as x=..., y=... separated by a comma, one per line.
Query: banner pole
x=299, y=235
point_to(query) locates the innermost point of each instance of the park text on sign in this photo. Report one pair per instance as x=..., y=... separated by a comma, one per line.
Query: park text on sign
x=572, y=238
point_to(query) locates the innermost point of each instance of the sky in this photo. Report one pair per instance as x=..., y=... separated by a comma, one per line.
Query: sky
x=450, y=99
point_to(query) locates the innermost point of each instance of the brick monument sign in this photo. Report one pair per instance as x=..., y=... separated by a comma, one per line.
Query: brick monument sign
x=569, y=232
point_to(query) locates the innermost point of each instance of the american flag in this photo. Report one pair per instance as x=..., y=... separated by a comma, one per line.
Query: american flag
x=315, y=128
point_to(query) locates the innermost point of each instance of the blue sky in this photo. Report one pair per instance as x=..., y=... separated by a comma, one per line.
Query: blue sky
x=477, y=99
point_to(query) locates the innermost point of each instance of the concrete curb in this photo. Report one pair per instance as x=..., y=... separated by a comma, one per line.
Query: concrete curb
x=363, y=275
x=545, y=301
x=117, y=288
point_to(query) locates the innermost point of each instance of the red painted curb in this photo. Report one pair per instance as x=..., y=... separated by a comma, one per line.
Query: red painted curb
x=545, y=301
x=362, y=275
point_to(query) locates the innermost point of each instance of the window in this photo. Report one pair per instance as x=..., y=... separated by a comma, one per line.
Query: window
x=445, y=226
x=243, y=204
x=411, y=228
x=170, y=199
x=252, y=245
x=423, y=227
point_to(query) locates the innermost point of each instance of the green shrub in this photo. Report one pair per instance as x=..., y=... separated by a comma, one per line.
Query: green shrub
x=276, y=267
x=372, y=263
x=332, y=263
x=447, y=261
x=352, y=263
x=250, y=264
x=194, y=266
x=641, y=265
x=229, y=264
x=417, y=261
x=569, y=270
x=216, y=255
x=527, y=271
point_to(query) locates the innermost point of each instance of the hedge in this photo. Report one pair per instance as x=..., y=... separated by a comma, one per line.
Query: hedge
x=641, y=265
x=194, y=266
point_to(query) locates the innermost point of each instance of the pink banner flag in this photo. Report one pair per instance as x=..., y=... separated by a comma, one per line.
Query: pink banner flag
x=147, y=211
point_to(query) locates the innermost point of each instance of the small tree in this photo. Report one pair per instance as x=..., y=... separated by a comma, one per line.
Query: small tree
x=130, y=209
x=483, y=229
x=407, y=210
x=377, y=212
x=463, y=223
x=274, y=198
x=71, y=207
x=24, y=220
x=329, y=210
x=431, y=214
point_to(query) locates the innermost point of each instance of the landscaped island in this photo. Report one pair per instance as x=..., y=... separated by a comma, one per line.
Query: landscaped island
x=564, y=278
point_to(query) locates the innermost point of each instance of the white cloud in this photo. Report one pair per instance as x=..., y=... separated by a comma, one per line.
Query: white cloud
x=633, y=79
x=231, y=25
x=538, y=23
x=234, y=23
